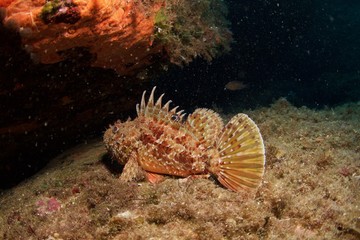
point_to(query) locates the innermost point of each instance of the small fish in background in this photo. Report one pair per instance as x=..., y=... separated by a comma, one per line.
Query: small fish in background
x=235, y=86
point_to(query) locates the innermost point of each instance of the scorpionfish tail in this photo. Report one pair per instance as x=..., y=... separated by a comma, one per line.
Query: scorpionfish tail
x=241, y=155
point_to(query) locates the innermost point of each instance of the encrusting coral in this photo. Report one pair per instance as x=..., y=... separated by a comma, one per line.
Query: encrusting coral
x=193, y=28
x=125, y=35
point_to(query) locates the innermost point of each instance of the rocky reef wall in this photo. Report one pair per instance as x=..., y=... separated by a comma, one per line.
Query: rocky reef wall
x=68, y=68
x=120, y=35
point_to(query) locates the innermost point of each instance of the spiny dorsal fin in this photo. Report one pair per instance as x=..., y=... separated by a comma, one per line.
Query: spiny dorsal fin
x=156, y=111
x=205, y=125
x=242, y=154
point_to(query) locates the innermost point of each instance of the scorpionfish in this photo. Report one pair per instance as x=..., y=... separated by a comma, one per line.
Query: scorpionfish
x=161, y=141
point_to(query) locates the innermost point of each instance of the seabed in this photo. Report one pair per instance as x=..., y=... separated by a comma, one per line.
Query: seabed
x=310, y=190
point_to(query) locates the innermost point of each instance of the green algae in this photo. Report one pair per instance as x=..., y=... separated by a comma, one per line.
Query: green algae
x=189, y=29
x=306, y=192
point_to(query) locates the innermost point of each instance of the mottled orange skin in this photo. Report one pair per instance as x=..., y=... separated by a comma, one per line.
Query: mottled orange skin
x=159, y=141
x=158, y=147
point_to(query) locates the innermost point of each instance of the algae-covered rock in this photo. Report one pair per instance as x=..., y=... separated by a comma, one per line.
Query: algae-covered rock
x=310, y=190
x=122, y=35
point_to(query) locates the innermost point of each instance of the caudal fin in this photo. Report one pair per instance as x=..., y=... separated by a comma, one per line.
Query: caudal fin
x=241, y=155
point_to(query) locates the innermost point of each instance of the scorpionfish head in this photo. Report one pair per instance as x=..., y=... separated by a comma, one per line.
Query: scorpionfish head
x=121, y=139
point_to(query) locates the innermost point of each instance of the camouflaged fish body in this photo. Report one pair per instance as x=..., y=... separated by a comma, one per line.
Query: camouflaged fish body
x=161, y=142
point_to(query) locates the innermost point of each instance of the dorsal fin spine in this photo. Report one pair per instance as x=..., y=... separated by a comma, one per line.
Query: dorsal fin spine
x=137, y=110
x=151, y=98
x=174, y=109
x=158, y=102
x=142, y=104
x=166, y=106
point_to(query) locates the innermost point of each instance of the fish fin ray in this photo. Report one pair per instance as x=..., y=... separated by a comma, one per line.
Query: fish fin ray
x=241, y=154
x=156, y=111
x=206, y=125
x=132, y=170
x=154, y=177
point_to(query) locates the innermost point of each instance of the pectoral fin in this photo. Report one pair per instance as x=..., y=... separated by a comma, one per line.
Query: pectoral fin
x=132, y=170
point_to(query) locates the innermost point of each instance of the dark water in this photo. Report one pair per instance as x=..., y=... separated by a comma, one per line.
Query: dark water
x=306, y=51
